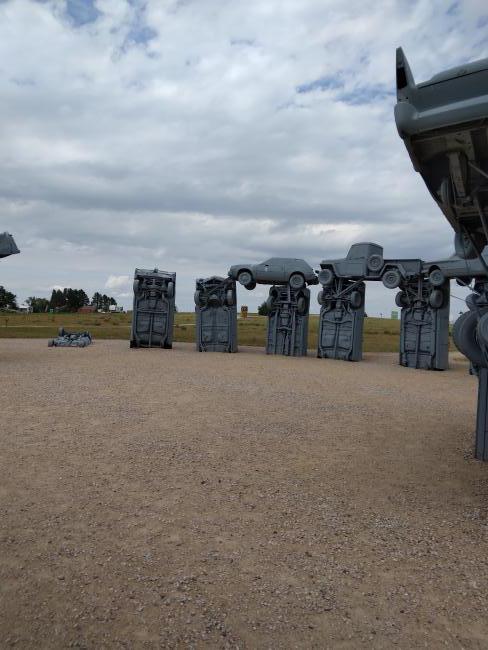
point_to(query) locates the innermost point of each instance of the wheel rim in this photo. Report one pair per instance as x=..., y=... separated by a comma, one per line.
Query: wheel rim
x=245, y=278
x=296, y=281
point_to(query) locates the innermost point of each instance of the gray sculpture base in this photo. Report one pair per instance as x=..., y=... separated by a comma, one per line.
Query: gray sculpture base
x=340, y=334
x=287, y=331
x=481, y=438
x=153, y=310
x=216, y=315
x=424, y=328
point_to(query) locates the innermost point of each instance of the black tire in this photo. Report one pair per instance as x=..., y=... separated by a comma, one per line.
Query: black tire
x=356, y=299
x=401, y=299
x=197, y=298
x=168, y=346
x=302, y=305
x=464, y=336
x=170, y=289
x=437, y=278
x=375, y=263
x=296, y=281
x=391, y=278
x=326, y=277
x=245, y=278
x=135, y=286
x=482, y=330
x=229, y=297
x=251, y=286
x=436, y=298
x=270, y=303
x=132, y=344
x=320, y=297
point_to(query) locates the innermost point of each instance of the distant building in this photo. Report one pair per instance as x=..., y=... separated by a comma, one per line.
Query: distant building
x=25, y=309
x=87, y=309
x=116, y=309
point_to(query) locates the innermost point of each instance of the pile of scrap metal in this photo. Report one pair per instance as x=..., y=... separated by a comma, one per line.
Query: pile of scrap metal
x=66, y=339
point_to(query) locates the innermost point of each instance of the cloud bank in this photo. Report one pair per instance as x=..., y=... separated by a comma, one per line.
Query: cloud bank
x=190, y=135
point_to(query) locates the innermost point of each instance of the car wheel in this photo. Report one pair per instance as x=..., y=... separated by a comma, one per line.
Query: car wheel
x=401, y=299
x=320, y=297
x=375, y=263
x=170, y=289
x=302, y=305
x=326, y=277
x=229, y=297
x=356, y=299
x=197, y=297
x=436, y=298
x=135, y=286
x=482, y=330
x=296, y=281
x=437, y=278
x=464, y=336
x=270, y=303
x=245, y=278
x=391, y=279
x=251, y=286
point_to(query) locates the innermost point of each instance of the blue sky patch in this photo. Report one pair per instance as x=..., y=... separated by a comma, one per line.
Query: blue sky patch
x=482, y=22
x=82, y=12
x=324, y=83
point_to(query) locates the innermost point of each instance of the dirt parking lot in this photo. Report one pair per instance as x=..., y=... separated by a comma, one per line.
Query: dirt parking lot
x=154, y=498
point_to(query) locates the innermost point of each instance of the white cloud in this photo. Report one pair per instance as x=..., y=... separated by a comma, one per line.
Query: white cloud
x=117, y=282
x=174, y=134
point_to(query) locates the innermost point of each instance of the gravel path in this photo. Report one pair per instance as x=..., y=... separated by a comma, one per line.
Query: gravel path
x=154, y=498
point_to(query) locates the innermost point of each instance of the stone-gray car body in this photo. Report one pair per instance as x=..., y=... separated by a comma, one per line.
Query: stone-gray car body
x=365, y=261
x=7, y=245
x=276, y=270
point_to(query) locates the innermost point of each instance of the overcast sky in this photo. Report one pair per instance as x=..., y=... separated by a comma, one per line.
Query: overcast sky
x=190, y=135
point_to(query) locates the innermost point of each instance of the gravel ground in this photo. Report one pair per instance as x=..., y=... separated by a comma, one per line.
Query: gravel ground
x=155, y=498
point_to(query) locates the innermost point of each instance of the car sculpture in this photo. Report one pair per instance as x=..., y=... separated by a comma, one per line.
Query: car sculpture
x=365, y=261
x=277, y=270
x=67, y=339
x=442, y=122
x=7, y=245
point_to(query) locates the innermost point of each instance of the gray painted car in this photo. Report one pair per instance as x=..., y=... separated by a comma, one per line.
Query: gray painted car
x=277, y=270
x=365, y=261
x=7, y=245
x=443, y=125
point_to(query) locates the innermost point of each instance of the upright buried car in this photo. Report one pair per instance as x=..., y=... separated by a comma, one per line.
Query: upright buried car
x=443, y=123
x=154, y=307
x=277, y=270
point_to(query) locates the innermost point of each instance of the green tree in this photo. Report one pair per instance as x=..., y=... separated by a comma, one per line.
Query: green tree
x=8, y=300
x=38, y=305
x=263, y=309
